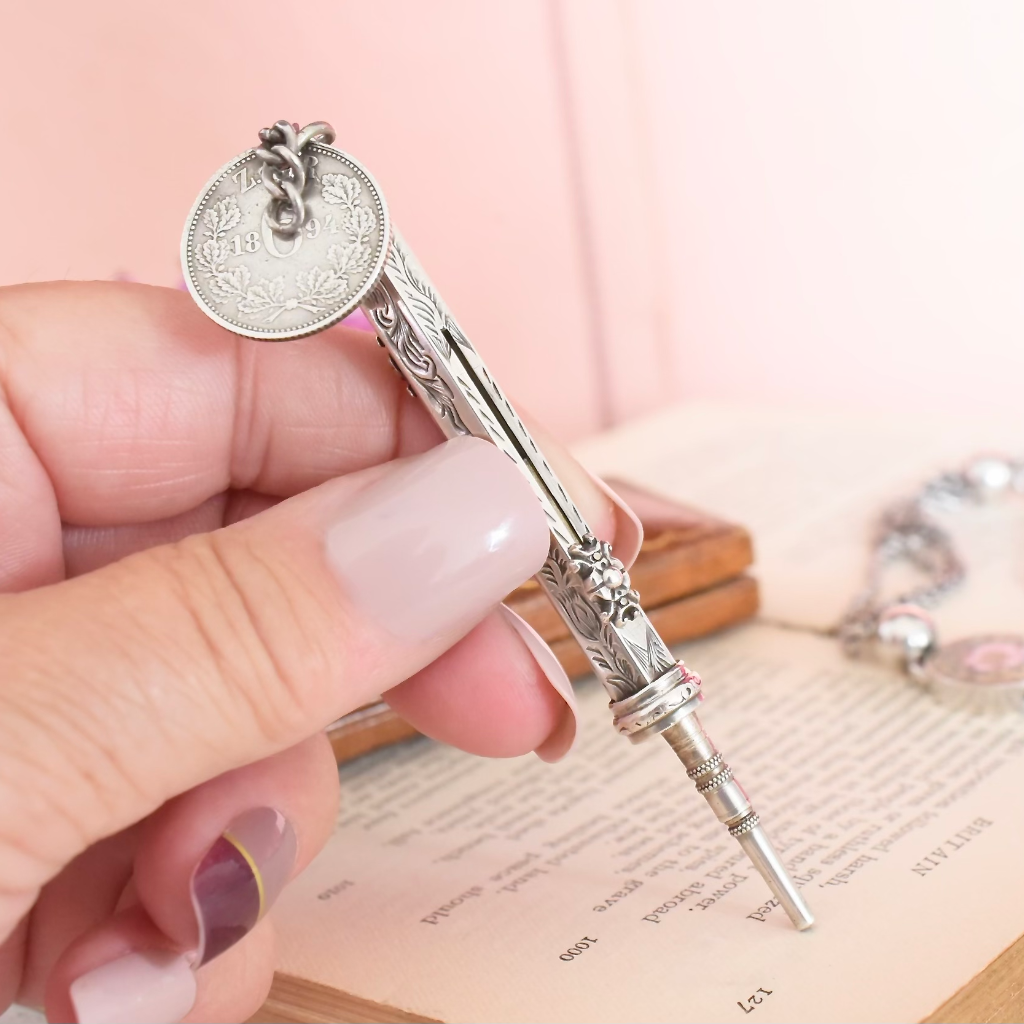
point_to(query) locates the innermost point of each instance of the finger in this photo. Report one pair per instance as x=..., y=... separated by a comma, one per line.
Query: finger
x=527, y=705
x=139, y=407
x=30, y=545
x=282, y=809
x=455, y=698
x=238, y=644
x=122, y=970
x=126, y=970
x=212, y=862
x=237, y=984
x=526, y=700
x=12, y=959
x=127, y=392
x=119, y=404
x=512, y=714
x=91, y=547
x=86, y=893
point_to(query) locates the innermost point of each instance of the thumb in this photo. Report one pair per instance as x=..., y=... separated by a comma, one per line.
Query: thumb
x=126, y=686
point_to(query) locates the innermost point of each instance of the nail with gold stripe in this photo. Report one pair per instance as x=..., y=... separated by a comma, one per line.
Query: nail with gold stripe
x=240, y=877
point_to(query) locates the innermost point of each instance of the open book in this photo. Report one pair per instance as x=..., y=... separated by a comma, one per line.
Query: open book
x=601, y=888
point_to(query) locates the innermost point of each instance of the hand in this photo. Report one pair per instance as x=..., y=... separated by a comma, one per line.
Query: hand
x=208, y=553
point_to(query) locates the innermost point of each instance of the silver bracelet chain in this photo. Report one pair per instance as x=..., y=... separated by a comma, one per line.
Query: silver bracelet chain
x=908, y=531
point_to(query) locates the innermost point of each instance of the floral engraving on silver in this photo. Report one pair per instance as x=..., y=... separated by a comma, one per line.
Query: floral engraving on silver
x=407, y=349
x=605, y=579
x=481, y=403
x=253, y=281
x=424, y=303
x=625, y=664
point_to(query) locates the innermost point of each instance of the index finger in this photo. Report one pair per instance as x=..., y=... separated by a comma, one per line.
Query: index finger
x=140, y=408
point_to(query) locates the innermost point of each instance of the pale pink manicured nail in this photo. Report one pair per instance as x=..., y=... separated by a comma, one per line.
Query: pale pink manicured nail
x=629, y=531
x=434, y=544
x=153, y=986
x=562, y=737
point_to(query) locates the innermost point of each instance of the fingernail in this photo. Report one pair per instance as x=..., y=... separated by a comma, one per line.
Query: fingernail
x=153, y=986
x=240, y=877
x=629, y=531
x=560, y=740
x=437, y=542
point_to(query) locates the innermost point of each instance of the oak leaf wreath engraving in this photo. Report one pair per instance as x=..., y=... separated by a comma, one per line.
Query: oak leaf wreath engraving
x=314, y=290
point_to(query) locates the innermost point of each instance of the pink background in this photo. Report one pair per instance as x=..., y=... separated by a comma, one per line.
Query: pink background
x=625, y=203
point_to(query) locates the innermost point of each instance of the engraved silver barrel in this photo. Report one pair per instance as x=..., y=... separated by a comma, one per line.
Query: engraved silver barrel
x=650, y=692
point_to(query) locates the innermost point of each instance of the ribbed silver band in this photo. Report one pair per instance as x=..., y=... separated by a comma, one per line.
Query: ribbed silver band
x=749, y=822
x=716, y=780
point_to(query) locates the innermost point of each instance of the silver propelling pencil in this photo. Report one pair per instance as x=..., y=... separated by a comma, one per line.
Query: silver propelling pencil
x=294, y=235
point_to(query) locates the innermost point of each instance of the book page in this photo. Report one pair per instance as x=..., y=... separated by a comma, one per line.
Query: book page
x=809, y=488
x=603, y=889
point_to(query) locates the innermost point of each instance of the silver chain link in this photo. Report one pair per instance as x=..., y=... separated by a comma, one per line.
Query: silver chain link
x=287, y=168
x=908, y=531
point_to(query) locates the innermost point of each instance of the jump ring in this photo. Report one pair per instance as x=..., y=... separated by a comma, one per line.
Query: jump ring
x=319, y=130
x=287, y=134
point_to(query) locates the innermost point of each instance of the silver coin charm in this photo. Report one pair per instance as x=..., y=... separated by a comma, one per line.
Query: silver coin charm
x=256, y=282
x=984, y=673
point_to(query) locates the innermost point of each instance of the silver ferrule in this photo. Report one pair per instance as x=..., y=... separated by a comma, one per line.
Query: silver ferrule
x=659, y=705
x=715, y=781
